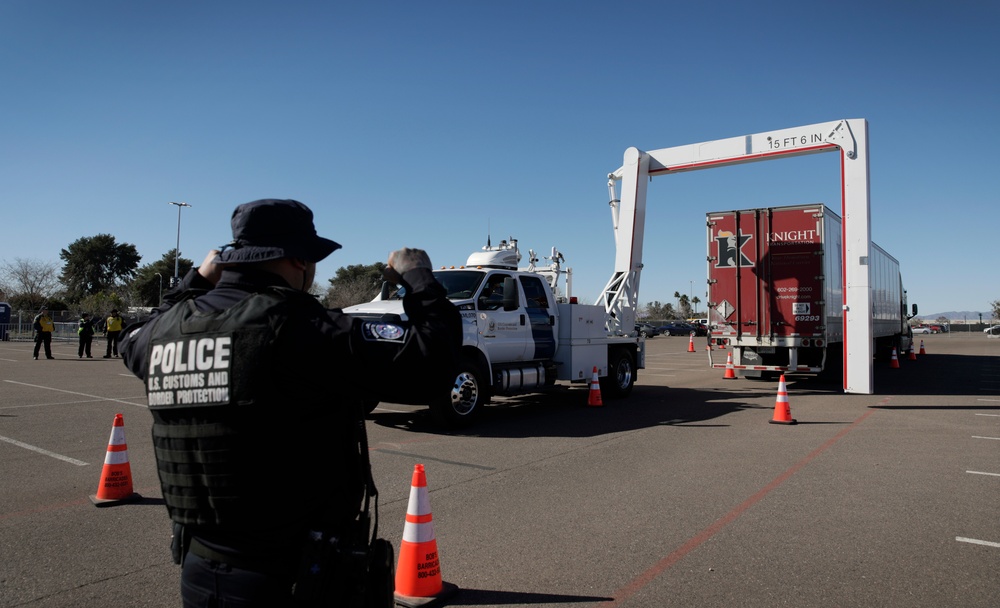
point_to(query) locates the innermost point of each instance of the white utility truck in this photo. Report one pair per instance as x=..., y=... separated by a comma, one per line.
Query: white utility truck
x=522, y=332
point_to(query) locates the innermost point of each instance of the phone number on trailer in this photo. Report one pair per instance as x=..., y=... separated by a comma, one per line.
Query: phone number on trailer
x=793, y=289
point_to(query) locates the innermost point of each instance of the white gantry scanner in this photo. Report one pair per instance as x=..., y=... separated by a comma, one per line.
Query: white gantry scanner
x=849, y=136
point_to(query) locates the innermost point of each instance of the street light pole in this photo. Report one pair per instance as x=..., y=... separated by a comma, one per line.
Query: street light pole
x=160, y=300
x=177, y=251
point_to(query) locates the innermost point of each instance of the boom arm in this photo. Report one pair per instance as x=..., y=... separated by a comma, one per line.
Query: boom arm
x=628, y=216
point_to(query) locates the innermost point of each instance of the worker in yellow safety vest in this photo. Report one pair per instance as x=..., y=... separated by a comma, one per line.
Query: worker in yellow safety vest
x=113, y=330
x=43, y=327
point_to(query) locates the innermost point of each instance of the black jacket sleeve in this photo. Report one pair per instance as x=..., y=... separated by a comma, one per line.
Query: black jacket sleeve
x=424, y=366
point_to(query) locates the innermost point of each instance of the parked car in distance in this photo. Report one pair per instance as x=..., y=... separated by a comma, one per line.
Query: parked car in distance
x=993, y=329
x=646, y=330
x=922, y=330
x=677, y=328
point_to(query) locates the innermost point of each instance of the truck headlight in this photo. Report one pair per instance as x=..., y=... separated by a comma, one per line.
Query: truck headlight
x=387, y=331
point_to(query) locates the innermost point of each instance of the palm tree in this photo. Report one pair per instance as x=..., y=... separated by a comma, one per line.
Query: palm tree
x=695, y=301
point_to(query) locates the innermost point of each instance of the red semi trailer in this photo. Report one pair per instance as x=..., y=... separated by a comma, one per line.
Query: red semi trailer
x=775, y=292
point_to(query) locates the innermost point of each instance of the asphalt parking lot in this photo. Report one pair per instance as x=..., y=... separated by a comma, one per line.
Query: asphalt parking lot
x=682, y=495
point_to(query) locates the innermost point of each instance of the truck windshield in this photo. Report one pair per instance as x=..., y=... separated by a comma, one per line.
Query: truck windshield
x=460, y=284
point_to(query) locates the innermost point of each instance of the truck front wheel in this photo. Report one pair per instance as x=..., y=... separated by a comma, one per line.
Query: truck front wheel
x=621, y=374
x=466, y=399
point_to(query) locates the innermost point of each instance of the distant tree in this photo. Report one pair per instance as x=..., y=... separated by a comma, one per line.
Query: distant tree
x=659, y=311
x=151, y=280
x=354, y=284
x=684, y=306
x=695, y=301
x=317, y=292
x=100, y=304
x=96, y=264
x=995, y=305
x=56, y=304
x=28, y=283
x=942, y=320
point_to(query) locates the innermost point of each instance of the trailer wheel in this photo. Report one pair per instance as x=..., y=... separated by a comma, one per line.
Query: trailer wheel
x=621, y=374
x=466, y=399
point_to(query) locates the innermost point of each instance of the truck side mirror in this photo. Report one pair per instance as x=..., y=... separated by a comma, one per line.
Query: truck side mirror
x=914, y=310
x=511, y=298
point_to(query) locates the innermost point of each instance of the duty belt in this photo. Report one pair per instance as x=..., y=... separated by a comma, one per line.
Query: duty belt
x=269, y=567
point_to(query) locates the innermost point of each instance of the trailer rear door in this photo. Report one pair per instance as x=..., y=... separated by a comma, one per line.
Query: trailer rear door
x=766, y=272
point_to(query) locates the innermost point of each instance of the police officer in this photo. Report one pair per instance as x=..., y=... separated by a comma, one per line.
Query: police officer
x=86, y=334
x=256, y=395
x=113, y=330
x=43, y=326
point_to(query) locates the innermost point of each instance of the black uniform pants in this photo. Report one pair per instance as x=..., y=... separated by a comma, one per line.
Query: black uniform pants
x=208, y=583
x=43, y=337
x=113, y=343
x=85, y=342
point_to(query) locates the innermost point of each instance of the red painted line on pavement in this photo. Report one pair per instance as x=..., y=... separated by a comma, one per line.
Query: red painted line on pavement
x=694, y=542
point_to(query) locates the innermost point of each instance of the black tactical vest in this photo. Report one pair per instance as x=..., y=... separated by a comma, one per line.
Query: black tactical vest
x=213, y=396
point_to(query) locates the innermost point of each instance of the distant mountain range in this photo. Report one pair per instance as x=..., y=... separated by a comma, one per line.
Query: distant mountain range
x=972, y=316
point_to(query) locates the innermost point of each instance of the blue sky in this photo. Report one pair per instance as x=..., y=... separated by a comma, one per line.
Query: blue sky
x=434, y=124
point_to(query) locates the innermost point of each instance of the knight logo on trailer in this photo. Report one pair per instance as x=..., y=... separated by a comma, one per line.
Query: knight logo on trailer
x=729, y=245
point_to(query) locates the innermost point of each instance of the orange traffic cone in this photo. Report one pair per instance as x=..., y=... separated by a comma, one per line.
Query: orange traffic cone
x=894, y=364
x=116, y=478
x=922, y=351
x=594, y=399
x=691, y=343
x=730, y=370
x=782, y=411
x=913, y=355
x=418, y=571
